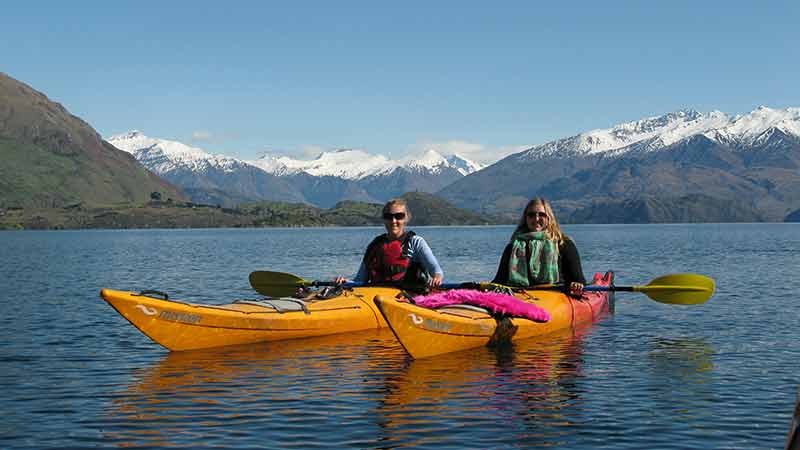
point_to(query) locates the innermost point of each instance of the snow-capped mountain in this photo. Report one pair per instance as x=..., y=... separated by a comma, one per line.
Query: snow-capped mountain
x=346, y=174
x=752, y=159
x=656, y=133
x=206, y=178
x=436, y=163
x=163, y=156
x=462, y=165
x=364, y=176
x=749, y=163
x=350, y=164
x=757, y=126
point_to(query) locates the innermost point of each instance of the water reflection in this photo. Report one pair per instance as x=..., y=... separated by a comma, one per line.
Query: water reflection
x=276, y=391
x=523, y=391
x=308, y=390
x=681, y=379
x=684, y=358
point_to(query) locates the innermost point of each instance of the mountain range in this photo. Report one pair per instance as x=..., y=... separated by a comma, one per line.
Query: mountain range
x=681, y=166
x=330, y=178
x=684, y=166
x=744, y=167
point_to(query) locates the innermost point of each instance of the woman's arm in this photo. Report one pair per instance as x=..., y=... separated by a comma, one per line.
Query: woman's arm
x=571, y=269
x=362, y=275
x=502, y=270
x=422, y=253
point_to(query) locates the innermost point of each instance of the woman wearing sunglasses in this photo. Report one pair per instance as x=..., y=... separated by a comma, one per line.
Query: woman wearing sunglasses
x=540, y=253
x=398, y=257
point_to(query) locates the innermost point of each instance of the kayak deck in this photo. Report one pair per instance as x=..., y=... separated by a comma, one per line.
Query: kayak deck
x=427, y=332
x=180, y=326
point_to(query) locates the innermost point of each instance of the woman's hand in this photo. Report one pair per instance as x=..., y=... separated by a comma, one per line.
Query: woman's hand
x=436, y=281
x=575, y=289
x=340, y=280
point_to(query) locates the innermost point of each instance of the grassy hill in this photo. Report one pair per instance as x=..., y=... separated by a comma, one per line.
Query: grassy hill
x=428, y=209
x=51, y=158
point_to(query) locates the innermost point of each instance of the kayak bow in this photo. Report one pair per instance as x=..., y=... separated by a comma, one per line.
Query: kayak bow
x=187, y=326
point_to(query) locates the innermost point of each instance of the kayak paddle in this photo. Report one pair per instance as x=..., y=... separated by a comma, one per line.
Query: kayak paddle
x=280, y=284
x=675, y=289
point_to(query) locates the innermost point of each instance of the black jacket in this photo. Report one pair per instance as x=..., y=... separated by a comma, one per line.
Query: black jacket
x=569, y=264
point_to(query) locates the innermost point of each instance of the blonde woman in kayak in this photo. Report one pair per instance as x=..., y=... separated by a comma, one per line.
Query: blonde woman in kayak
x=540, y=253
x=398, y=257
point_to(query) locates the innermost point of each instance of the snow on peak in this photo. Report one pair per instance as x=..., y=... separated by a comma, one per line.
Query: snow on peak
x=747, y=128
x=665, y=130
x=162, y=155
x=435, y=162
x=356, y=164
x=655, y=133
x=431, y=159
x=347, y=163
x=668, y=127
x=344, y=163
x=463, y=165
x=274, y=164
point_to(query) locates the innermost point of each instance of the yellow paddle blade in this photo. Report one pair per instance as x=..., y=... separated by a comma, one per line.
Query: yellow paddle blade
x=276, y=284
x=679, y=289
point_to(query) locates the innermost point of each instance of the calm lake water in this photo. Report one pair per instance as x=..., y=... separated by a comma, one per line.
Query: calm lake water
x=75, y=374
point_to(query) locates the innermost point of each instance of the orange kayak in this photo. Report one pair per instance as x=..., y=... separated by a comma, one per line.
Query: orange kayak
x=179, y=325
x=427, y=332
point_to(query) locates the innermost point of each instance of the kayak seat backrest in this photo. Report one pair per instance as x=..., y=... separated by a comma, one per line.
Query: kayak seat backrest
x=281, y=305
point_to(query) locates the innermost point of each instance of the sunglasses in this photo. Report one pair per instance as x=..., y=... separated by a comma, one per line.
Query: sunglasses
x=532, y=214
x=398, y=216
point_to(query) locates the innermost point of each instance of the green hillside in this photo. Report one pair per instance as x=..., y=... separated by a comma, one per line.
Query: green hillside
x=428, y=209
x=52, y=158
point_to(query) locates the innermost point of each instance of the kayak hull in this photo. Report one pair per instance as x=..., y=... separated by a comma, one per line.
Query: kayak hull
x=427, y=332
x=182, y=326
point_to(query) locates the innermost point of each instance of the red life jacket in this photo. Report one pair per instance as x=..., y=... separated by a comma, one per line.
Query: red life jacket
x=387, y=260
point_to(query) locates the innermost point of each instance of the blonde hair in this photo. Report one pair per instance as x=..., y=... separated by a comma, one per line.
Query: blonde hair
x=397, y=202
x=553, y=229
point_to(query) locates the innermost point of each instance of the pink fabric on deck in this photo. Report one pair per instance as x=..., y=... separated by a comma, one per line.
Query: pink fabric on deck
x=493, y=301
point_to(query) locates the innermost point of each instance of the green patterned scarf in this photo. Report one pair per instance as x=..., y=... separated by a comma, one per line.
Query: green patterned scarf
x=542, y=265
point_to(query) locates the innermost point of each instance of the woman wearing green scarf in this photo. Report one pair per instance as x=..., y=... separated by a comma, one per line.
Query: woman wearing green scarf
x=540, y=253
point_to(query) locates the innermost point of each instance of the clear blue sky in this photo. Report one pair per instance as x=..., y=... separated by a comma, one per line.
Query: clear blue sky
x=246, y=77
